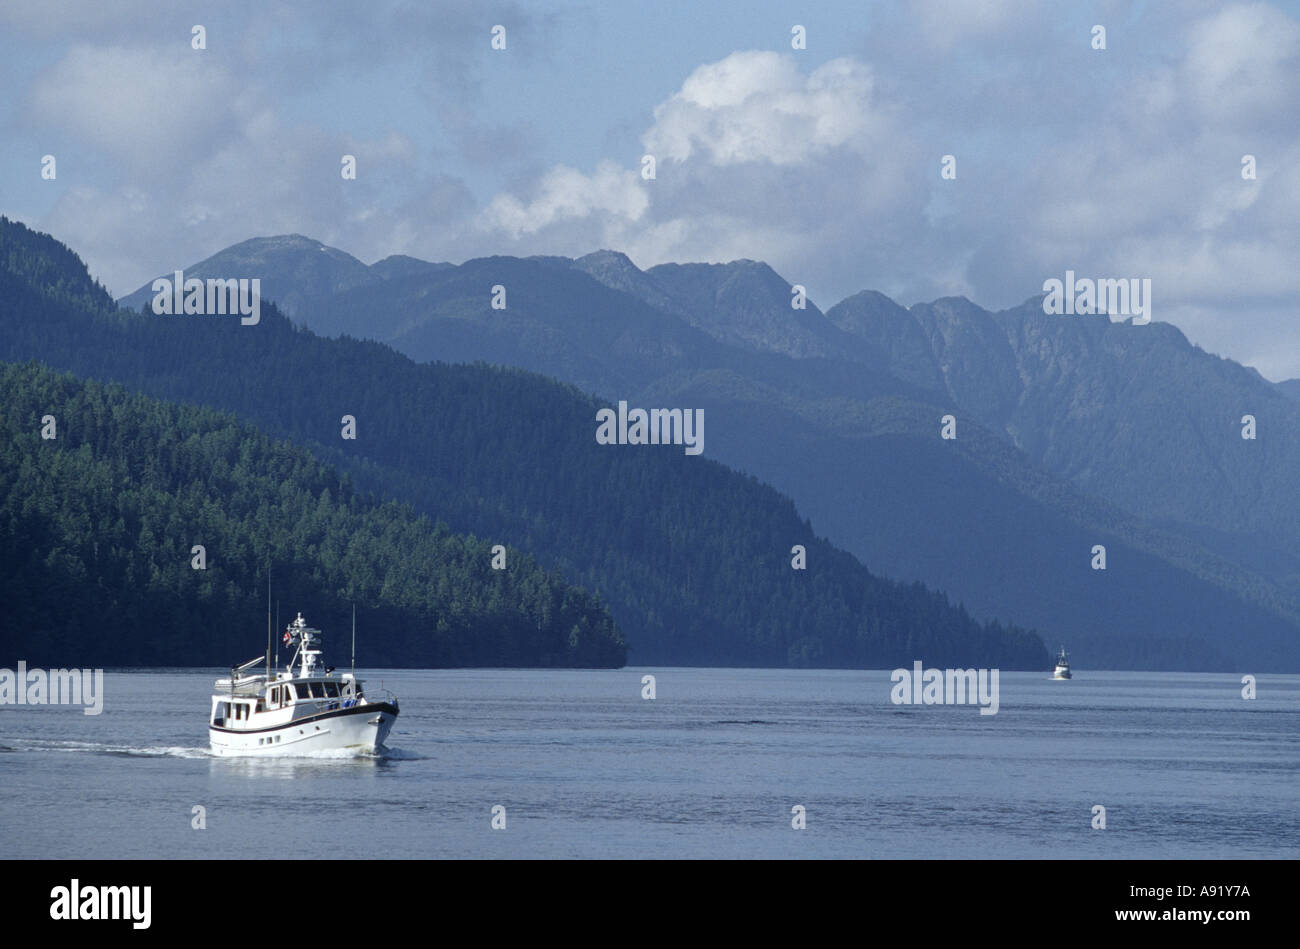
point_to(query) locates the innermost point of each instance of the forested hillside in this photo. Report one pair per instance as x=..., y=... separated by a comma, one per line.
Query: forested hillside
x=98, y=526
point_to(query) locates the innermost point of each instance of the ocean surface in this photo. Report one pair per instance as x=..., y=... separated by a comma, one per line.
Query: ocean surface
x=712, y=767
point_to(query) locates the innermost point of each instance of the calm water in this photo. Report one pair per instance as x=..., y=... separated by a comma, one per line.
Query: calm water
x=711, y=768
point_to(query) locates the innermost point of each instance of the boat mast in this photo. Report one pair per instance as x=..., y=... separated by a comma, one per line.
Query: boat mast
x=268, y=632
x=354, y=647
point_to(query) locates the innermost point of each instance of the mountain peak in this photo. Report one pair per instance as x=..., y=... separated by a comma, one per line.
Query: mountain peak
x=281, y=242
x=294, y=270
x=398, y=266
x=605, y=257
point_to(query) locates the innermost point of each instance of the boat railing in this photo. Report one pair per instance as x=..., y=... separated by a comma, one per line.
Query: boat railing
x=252, y=685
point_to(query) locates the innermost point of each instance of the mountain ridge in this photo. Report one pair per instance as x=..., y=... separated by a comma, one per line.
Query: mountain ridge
x=695, y=566
x=948, y=356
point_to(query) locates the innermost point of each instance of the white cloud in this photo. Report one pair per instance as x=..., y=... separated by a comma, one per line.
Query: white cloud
x=758, y=107
x=755, y=158
x=565, y=193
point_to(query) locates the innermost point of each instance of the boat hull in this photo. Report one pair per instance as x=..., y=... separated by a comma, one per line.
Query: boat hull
x=362, y=728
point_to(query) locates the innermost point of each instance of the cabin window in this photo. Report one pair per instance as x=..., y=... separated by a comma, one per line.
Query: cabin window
x=288, y=692
x=275, y=695
x=261, y=705
x=332, y=690
x=318, y=690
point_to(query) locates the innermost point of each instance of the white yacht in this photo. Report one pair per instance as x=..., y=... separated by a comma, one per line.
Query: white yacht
x=1062, y=670
x=297, y=711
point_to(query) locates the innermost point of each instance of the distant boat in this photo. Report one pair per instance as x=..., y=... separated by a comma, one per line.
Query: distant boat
x=297, y=712
x=1062, y=670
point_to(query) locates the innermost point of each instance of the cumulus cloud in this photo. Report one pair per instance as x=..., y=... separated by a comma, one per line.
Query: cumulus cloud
x=565, y=193
x=754, y=158
x=758, y=107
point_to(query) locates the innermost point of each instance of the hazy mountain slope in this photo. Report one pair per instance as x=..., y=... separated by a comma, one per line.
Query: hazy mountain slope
x=894, y=334
x=747, y=303
x=1133, y=414
x=449, y=316
x=989, y=537
x=1106, y=401
x=617, y=272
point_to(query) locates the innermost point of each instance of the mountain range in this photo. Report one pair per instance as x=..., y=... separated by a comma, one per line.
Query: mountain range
x=695, y=561
x=1071, y=432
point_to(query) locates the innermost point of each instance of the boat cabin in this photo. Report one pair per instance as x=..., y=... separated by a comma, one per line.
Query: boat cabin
x=237, y=709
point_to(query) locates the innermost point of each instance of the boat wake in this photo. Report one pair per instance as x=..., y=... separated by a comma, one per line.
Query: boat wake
x=69, y=746
x=102, y=748
x=399, y=754
x=381, y=753
x=333, y=754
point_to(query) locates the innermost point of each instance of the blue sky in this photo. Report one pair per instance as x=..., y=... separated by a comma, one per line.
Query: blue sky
x=824, y=162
